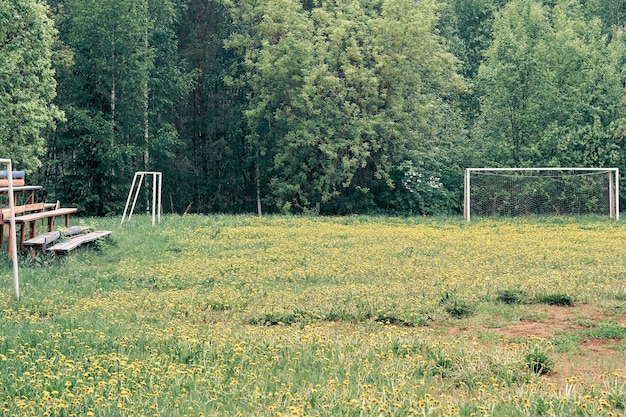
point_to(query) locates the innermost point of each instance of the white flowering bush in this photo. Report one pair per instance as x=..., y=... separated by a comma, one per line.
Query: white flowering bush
x=427, y=192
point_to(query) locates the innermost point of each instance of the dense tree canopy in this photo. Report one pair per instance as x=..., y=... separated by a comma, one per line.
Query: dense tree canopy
x=118, y=94
x=340, y=97
x=27, y=83
x=551, y=85
x=335, y=107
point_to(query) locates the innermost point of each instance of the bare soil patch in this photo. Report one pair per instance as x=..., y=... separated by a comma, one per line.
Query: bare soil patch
x=553, y=320
x=590, y=359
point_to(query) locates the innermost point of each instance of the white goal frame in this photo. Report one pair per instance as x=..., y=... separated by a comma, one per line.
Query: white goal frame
x=157, y=185
x=613, y=185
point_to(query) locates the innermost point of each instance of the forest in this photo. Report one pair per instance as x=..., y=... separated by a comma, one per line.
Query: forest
x=326, y=107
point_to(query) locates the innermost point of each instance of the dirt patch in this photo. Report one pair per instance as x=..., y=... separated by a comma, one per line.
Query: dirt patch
x=590, y=358
x=548, y=321
x=593, y=359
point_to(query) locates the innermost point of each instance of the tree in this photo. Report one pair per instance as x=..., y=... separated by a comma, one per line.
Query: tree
x=275, y=41
x=27, y=84
x=212, y=166
x=118, y=94
x=611, y=12
x=551, y=83
x=467, y=26
x=341, y=94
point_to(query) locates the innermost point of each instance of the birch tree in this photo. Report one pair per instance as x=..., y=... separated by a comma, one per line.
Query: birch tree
x=118, y=94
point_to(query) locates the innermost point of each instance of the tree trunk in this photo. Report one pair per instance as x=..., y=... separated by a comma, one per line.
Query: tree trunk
x=258, y=182
x=146, y=95
x=113, y=99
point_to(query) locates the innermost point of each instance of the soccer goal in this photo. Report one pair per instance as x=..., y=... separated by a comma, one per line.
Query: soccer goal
x=541, y=191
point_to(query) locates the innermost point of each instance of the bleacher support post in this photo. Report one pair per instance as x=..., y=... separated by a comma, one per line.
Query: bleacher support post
x=12, y=240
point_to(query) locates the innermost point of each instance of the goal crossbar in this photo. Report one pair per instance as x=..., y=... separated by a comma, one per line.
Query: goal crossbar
x=612, y=183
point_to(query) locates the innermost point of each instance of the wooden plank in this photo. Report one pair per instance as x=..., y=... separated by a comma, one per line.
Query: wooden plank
x=17, y=183
x=15, y=174
x=75, y=230
x=43, y=215
x=51, y=237
x=41, y=239
x=79, y=240
x=6, y=213
x=4, y=190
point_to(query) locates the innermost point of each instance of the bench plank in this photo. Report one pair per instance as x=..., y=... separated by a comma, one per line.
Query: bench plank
x=6, y=213
x=78, y=240
x=43, y=215
x=24, y=189
x=31, y=219
x=51, y=237
x=16, y=182
x=14, y=174
x=40, y=240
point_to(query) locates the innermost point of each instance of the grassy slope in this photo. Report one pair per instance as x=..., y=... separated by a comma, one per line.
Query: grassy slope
x=223, y=315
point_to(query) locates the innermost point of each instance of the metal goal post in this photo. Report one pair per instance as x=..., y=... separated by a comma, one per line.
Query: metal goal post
x=613, y=185
x=157, y=182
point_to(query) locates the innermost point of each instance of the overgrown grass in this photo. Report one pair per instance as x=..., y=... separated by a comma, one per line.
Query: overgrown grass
x=287, y=316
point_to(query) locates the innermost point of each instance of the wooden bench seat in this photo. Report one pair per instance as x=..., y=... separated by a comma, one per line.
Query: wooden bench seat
x=22, y=189
x=50, y=214
x=45, y=240
x=31, y=219
x=26, y=208
x=16, y=183
x=29, y=190
x=78, y=240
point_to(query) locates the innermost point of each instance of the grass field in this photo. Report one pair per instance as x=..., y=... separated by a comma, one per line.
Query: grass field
x=293, y=316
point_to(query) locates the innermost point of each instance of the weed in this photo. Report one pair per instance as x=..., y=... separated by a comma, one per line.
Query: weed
x=160, y=321
x=539, y=362
x=556, y=299
x=386, y=319
x=456, y=307
x=37, y=260
x=511, y=296
x=281, y=318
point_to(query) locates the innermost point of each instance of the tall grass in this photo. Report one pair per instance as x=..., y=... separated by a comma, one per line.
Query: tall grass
x=277, y=316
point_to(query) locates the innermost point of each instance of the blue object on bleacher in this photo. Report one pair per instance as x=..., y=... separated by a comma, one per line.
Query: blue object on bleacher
x=16, y=175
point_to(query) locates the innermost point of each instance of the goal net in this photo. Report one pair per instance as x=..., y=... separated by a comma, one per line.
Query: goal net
x=541, y=191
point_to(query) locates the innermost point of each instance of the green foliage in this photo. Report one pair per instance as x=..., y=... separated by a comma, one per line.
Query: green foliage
x=512, y=296
x=27, y=84
x=340, y=97
x=611, y=12
x=162, y=321
x=211, y=166
x=550, y=89
x=539, y=362
x=306, y=106
x=606, y=331
x=118, y=92
x=456, y=307
x=555, y=299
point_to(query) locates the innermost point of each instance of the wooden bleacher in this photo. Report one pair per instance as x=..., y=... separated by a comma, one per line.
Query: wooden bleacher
x=30, y=213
